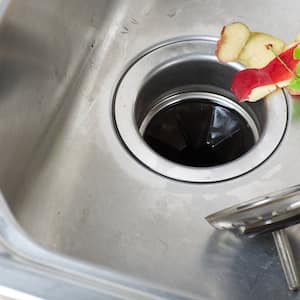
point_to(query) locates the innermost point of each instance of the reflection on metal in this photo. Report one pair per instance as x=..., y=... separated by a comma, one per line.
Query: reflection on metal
x=286, y=258
x=269, y=213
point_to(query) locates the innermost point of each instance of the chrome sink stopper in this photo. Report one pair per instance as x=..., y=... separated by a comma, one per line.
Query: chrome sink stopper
x=269, y=213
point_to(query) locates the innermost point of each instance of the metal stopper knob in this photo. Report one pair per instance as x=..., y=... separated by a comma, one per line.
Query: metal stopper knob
x=269, y=213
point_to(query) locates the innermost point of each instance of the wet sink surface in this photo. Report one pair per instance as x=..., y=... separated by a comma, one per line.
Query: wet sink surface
x=76, y=190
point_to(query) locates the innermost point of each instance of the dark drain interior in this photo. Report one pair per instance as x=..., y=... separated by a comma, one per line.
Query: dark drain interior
x=199, y=133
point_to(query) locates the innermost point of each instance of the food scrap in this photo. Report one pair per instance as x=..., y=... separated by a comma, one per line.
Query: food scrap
x=270, y=63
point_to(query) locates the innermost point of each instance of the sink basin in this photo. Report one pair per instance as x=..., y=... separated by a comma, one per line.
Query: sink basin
x=75, y=189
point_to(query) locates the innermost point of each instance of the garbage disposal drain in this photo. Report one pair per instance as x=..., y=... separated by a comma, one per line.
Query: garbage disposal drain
x=199, y=129
x=174, y=112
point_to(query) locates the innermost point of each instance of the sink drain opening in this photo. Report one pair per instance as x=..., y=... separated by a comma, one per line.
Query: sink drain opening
x=199, y=129
x=175, y=113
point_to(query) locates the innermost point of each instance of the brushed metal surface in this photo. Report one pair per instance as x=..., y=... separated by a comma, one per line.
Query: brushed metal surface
x=76, y=190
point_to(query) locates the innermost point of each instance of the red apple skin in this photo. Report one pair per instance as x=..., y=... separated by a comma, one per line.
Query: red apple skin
x=245, y=81
x=278, y=71
x=275, y=73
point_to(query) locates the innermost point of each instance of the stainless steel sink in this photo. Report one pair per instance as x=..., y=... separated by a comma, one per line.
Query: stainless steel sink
x=75, y=189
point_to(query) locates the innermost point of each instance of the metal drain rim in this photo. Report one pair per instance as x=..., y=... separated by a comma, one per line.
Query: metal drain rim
x=199, y=96
x=124, y=118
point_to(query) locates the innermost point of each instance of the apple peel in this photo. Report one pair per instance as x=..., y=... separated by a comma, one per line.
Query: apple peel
x=255, y=54
x=238, y=43
x=233, y=39
x=253, y=84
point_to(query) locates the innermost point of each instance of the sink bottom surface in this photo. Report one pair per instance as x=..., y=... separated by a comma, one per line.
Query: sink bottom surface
x=85, y=196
